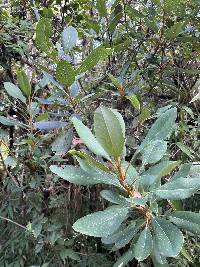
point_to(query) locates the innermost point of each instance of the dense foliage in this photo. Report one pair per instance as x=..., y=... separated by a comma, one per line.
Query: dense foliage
x=129, y=70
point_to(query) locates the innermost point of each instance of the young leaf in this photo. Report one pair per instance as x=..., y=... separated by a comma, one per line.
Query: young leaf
x=115, y=81
x=134, y=101
x=161, y=128
x=187, y=220
x=178, y=189
x=168, y=237
x=154, y=151
x=168, y=168
x=14, y=91
x=69, y=37
x=89, y=160
x=23, y=82
x=101, y=223
x=78, y=176
x=110, y=131
x=144, y=245
x=65, y=74
x=89, y=139
x=98, y=54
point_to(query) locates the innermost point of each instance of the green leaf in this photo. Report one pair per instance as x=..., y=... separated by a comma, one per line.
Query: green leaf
x=101, y=223
x=65, y=74
x=183, y=172
x=68, y=253
x=115, y=18
x=69, y=37
x=7, y=121
x=175, y=30
x=101, y=7
x=43, y=34
x=98, y=54
x=109, y=129
x=187, y=255
x=187, y=220
x=115, y=81
x=89, y=160
x=176, y=204
x=153, y=152
x=186, y=150
x=168, y=168
x=158, y=259
x=23, y=82
x=125, y=258
x=62, y=142
x=78, y=176
x=113, y=197
x=158, y=168
x=145, y=114
x=126, y=235
x=89, y=139
x=178, y=189
x=144, y=245
x=161, y=128
x=14, y=91
x=134, y=101
x=122, y=236
x=168, y=237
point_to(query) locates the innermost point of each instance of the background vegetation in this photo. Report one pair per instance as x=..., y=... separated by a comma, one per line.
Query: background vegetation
x=64, y=59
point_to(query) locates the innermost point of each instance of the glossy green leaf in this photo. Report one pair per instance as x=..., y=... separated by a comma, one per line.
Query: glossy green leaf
x=65, y=74
x=187, y=220
x=78, y=176
x=178, y=189
x=161, y=128
x=154, y=151
x=23, y=82
x=144, y=245
x=168, y=237
x=109, y=130
x=89, y=139
x=101, y=223
x=14, y=91
x=98, y=54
